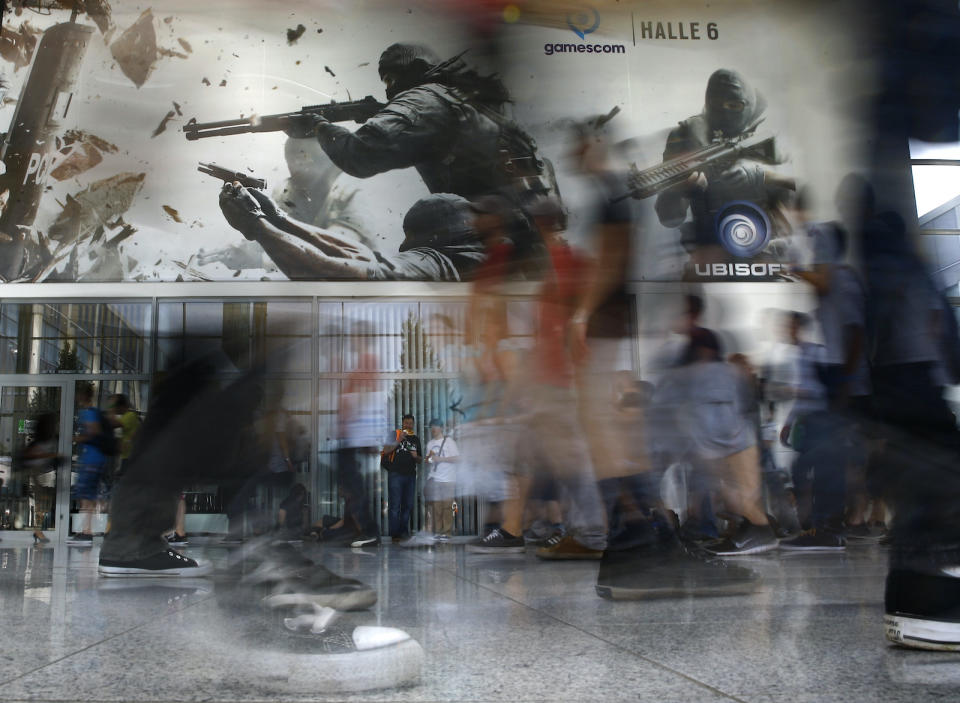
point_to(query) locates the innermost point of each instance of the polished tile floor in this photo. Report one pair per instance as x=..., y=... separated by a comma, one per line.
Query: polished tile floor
x=493, y=628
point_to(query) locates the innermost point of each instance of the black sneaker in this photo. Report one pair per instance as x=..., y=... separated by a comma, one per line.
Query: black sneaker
x=668, y=569
x=308, y=646
x=80, y=540
x=290, y=584
x=922, y=610
x=544, y=540
x=497, y=542
x=696, y=530
x=176, y=540
x=749, y=539
x=165, y=563
x=816, y=540
x=861, y=534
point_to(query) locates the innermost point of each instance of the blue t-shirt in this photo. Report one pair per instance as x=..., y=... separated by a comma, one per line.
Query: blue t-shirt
x=90, y=454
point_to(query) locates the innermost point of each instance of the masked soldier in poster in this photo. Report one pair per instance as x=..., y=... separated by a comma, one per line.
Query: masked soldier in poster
x=442, y=119
x=732, y=109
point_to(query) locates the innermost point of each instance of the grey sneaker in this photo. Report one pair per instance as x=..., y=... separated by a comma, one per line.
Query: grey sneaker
x=497, y=542
x=749, y=539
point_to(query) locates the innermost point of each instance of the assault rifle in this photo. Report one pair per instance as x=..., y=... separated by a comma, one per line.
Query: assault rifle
x=356, y=111
x=228, y=176
x=712, y=159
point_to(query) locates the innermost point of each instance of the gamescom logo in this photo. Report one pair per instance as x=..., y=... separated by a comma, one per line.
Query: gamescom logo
x=583, y=22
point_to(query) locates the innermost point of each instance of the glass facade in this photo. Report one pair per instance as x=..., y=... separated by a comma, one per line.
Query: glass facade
x=110, y=338
x=308, y=348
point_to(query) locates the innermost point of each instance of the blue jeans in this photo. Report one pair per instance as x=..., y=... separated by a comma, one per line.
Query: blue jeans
x=824, y=451
x=401, y=494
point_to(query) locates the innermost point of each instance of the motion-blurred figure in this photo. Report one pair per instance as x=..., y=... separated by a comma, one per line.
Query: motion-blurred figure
x=912, y=345
x=41, y=458
x=363, y=424
x=556, y=443
x=650, y=560
x=491, y=429
x=92, y=457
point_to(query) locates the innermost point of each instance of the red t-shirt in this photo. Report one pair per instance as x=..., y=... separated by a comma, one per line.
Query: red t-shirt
x=561, y=291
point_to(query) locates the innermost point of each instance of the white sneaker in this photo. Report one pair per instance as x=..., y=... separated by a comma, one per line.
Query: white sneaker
x=420, y=539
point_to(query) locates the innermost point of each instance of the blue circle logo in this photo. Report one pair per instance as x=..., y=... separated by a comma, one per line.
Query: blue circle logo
x=584, y=21
x=743, y=228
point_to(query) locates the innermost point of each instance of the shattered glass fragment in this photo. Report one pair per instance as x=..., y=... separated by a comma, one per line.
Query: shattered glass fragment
x=79, y=159
x=78, y=135
x=135, y=51
x=102, y=201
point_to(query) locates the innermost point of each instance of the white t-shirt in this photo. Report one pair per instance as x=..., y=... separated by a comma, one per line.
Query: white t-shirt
x=446, y=471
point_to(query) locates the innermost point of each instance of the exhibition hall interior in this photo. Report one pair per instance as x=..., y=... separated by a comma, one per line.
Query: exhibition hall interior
x=479, y=350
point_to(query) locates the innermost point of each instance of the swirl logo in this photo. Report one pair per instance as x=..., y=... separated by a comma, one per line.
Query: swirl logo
x=584, y=21
x=743, y=228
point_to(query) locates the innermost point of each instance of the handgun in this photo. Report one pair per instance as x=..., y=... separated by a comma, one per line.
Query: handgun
x=229, y=176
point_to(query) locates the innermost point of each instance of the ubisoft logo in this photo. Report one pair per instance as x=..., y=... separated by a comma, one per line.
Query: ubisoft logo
x=742, y=228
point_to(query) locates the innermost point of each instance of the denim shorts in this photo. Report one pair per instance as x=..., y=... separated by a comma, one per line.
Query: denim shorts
x=86, y=482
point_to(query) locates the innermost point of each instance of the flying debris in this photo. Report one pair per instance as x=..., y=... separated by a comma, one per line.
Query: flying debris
x=294, y=34
x=162, y=127
x=173, y=214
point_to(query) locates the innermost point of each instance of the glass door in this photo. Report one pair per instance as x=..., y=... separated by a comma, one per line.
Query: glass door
x=32, y=464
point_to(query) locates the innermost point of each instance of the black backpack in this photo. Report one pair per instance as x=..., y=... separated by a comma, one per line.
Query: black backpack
x=106, y=441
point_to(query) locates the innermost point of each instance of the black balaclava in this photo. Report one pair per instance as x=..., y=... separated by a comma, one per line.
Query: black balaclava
x=406, y=64
x=725, y=87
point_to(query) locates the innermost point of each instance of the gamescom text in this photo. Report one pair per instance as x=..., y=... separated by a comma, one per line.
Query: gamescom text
x=551, y=49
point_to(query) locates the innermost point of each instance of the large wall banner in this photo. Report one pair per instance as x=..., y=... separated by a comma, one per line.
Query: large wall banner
x=363, y=139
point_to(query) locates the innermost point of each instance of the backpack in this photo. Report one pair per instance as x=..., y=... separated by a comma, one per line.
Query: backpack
x=106, y=441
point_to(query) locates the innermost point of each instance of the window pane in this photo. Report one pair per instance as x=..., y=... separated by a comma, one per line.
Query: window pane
x=75, y=337
x=329, y=328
